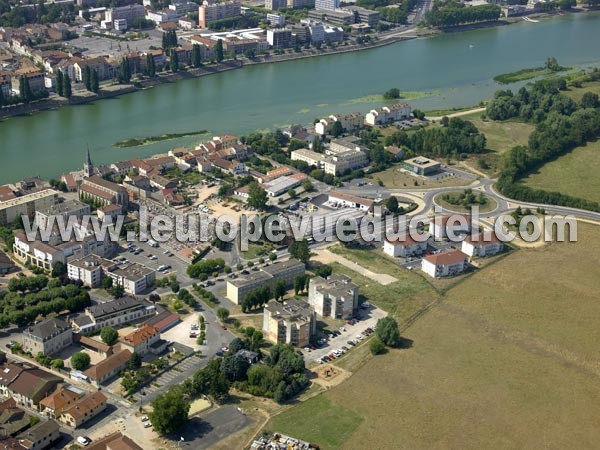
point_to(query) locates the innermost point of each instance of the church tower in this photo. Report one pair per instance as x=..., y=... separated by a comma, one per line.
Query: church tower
x=88, y=167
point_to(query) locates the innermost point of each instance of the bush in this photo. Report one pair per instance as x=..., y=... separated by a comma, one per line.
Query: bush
x=376, y=346
x=80, y=361
x=109, y=335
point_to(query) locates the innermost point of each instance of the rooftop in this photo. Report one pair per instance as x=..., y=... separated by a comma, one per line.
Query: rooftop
x=48, y=328
x=86, y=404
x=422, y=162
x=107, y=366
x=446, y=258
x=292, y=310
x=133, y=271
x=140, y=335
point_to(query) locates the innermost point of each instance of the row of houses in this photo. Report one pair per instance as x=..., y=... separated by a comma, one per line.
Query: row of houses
x=355, y=121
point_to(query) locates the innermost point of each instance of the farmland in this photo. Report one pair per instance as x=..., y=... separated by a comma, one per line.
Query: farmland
x=503, y=362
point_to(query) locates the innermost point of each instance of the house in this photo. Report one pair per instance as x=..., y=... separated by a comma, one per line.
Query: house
x=287, y=271
x=84, y=409
x=48, y=337
x=444, y=264
x=164, y=320
x=41, y=435
x=113, y=313
x=109, y=213
x=342, y=199
x=96, y=346
x=396, y=153
x=143, y=340
x=108, y=368
x=54, y=404
x=134, y=278
x=90, y=269
x=481, y=245
x=441, y=227
x=405, y=246
x=249, y=356
x=12, y=418
x=232, y=167
x=335, y=297
x=115, y=441
x=293, y=322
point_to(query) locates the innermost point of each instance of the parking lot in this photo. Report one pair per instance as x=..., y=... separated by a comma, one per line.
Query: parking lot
x=366, y=318
x=154, y=257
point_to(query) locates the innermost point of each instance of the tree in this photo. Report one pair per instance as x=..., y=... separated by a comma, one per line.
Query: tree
x=59, y=83
x=590, y=100
x=94, y=82
x=150, y=69
x=67, y=92
x=279, y=289
x=109, y=335
x=552, y=64
x=107, y=283
x=235, y=367
x=376, y=346
x=219, y=50
x=170, y=412
x=387, y=331
x=223, y=314
x=174, y=61
x=257, y=196
x=59, y=269
x=418, y=114
x=323, y=271
x=2, y=101
x=125, y=71
x=87, y=78
x=392, y=94
x=300, y=250
x=135, y=362
x=80, y=361
x=272, y=256
x=25, y=90
x=337, y=129
x=196, y=56
x=392, y=204
x=57, y=364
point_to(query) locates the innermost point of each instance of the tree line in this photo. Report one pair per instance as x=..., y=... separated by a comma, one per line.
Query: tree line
x=451, y=13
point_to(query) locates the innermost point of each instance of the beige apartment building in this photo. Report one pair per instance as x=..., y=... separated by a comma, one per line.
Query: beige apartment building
x=293, y=322
x=47, y=337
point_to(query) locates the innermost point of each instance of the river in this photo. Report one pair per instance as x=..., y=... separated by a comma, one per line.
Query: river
x=456, y=69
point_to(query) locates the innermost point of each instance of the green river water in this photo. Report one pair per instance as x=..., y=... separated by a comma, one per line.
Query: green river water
x=456, y=69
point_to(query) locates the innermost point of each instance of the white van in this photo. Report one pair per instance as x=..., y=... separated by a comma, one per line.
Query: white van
x=152, y=243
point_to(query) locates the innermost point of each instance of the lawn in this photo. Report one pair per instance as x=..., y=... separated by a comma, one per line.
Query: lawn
x=394, y=177
x=575, y=173
x=306, y=422
x=577, y=93
x=508, y=359
x=502, y=136
x=489, y=205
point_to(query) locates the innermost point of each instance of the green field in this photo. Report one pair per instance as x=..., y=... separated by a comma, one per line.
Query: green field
x=508, y=359
x=575, y=173
x=577, y=93
x=502, y=136
x=522, y=75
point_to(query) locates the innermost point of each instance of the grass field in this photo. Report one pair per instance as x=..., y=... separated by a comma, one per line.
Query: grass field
x=577, y=93
x=522, y=75
x=502, y=136
x=508, y=359
x=575, y=173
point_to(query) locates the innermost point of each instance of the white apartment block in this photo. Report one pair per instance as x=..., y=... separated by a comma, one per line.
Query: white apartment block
x=329, y=5
x=129, y=13
x=388, y=114
x=444, y=264
x=405, y=246
x=478, y=245
x=442, y=226
x=26, y=205
x=134, y=278
x=335, y=297
x=90, y=270
x=293, y=322
x=211, y=12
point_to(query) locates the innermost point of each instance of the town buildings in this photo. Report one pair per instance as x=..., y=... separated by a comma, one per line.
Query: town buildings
x=90, y=269
x=281, y=270
x=388, y=114
x=48, y=337
x=63, y=398
x=26, y=384
x=103, y=191
x=129, y=13
x=335, y=297
x=444, y=264
x=441, y=227
x=39, y=436
x=114, y=441
x=26, y=205
x=61, y=211
x=84, y=409
x=326, y=5
x=293, y=322
x=341, y=199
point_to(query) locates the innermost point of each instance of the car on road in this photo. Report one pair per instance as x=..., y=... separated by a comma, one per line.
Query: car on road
x=147, y=425
x=145, y=419
x=83, y=440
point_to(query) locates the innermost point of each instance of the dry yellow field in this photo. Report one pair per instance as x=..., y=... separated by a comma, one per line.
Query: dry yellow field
x=509, y=359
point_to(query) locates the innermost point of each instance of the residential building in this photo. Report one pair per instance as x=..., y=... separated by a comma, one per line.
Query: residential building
x=115, y=441
x=388, y=114
x=143, y=340
x=405, y=246
x=279, y=37
x=443, y=226
x=287, y=271
x=335, y=297
x=250, y=356
x=26, y=205
x=275, y=4
x=163, y=16
x=90, y=270
x=342, y=199
x=54, y=404
x=40, y=436
x=482, y=245
x=363, y=15
x=12, y=420
x=48, y=337
x=34, y=77
x=84, y=409
x=108, y=368
x=421, y=165
x=444, y=264
x=327, y=5
x=135, y=278
x=113, y=313
x=210, y=12
x=104, y=191
x=276, y=20
x=335, y=17
x=294, y=322
x=396, y=153
x=349, y=122
x=309, y=157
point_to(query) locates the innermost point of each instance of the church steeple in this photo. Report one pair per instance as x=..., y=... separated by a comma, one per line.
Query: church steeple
x=88, y=167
